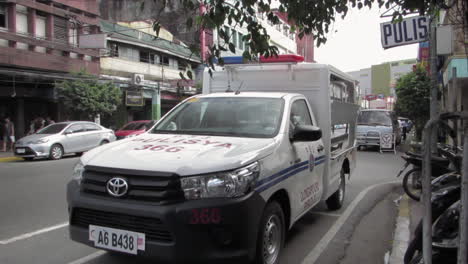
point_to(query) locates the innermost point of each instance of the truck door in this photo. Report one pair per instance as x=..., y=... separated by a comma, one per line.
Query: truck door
x=308, y=182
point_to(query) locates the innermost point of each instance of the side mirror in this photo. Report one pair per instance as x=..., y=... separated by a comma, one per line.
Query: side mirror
x=306, y=133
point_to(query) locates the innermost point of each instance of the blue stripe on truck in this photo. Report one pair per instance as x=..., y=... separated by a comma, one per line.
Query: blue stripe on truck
x=269, y=181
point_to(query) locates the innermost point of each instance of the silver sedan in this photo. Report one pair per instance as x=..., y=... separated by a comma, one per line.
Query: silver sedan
x=59, y=139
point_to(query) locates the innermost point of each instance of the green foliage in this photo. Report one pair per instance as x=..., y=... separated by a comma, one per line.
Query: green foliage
x=86, y=96
x=309, y=17
x=413, y=98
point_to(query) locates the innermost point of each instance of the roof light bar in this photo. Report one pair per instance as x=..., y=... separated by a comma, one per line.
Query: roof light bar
x=272, y=59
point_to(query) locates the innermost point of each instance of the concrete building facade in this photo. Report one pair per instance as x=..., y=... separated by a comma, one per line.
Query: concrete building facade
x=39, y=44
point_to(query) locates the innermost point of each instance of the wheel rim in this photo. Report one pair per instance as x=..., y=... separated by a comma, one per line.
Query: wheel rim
x=272, y=239
x=56, y=152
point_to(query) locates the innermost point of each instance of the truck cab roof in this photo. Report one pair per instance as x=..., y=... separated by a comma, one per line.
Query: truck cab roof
x=250, y=94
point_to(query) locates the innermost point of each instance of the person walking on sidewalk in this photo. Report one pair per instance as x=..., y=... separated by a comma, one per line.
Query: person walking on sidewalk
x=8, y=134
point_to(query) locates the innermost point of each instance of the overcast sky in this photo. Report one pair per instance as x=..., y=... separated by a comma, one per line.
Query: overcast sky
x=356, y=44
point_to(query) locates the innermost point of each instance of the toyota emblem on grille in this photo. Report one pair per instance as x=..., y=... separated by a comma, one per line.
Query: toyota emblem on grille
x=117, y=187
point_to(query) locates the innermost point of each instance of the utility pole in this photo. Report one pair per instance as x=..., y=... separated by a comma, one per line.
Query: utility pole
x=431, y=147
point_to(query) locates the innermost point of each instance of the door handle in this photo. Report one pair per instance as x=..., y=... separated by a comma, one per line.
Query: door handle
x=320, y=148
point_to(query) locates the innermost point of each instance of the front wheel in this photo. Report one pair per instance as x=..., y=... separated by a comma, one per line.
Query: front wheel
x=56, y=152
x=271, y=234
x=335, y=201
x=412, y=184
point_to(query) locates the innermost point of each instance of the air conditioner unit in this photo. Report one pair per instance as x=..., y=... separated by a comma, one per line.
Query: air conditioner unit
x=138, y=79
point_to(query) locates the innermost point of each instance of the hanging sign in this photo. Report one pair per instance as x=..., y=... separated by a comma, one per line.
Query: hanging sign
x=134, y=98
x=408, y=31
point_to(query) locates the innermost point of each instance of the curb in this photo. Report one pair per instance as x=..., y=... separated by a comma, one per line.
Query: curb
x=7, y=159
x=402, y=232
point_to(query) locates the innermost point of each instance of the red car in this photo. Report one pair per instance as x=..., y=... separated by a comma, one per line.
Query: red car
x=134, y=128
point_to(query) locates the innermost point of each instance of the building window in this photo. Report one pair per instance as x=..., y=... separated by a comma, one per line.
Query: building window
x=3, y=16
x=164, y=60
x=73, y=35
x=154, y=58
x=144, y=56
x=182, y=65
x=114, y=50
x=227, y=31
x=285, y=30
x=21, y=19
x=234, y=38
x=278, y=27
x=241, y=42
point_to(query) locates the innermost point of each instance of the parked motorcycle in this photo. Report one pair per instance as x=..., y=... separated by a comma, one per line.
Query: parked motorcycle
x=445, y=162
x=445, y=213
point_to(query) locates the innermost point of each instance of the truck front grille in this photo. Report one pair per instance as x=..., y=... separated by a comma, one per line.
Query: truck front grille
x=142, y=185
x=153, y=228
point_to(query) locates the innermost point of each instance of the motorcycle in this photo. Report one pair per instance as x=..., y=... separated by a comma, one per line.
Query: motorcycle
x=445, y=162
x=445, y=200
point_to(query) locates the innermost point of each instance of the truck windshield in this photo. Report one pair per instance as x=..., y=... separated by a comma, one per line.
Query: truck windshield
x=381, y=118
x=225, y=116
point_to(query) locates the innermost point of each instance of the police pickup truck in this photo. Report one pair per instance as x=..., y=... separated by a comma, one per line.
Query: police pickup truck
x=224, y=174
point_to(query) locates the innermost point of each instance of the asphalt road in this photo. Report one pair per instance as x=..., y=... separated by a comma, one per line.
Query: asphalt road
x=33, y=218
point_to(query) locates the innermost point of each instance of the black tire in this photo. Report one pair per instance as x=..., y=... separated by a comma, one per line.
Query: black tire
x=56, y=152
x=28, y=159
x=271, y=234
x=335, y=201
x=412, y=184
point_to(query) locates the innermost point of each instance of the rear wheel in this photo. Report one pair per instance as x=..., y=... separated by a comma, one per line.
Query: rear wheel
x=56, y=152
x=271, y=234
x=412, y=184
x=335, y=201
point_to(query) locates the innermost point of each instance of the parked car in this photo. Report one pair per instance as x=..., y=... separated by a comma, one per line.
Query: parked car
x=62, y=138
x=134, y=128
x=373, y=122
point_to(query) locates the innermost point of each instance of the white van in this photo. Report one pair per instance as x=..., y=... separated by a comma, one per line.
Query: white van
x=225, y=174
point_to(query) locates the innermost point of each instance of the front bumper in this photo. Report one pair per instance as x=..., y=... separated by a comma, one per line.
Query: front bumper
x=233, y=238
x=32, y=150
x=368, y=141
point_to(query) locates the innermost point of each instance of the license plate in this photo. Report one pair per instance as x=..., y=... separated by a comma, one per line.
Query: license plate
x=117, y=239
x=20, y=150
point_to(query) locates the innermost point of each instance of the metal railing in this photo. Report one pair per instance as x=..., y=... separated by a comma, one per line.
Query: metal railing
x=429, y=129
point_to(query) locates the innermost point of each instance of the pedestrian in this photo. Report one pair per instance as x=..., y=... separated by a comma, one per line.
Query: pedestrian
x=8, y=134
x=38, y=124
x=404, y=129
x=49, y=121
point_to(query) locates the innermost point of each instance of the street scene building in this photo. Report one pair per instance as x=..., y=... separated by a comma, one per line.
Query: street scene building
x=147, y=66
x=38, y=46
x=153, y=151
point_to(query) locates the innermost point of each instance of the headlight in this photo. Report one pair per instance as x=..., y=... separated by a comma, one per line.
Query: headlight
x=78, y=171
x=223, y=184
x=445, y=228
x=40, y=141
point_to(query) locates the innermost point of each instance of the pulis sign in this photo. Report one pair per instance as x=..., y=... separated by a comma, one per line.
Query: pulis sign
x=409, y=30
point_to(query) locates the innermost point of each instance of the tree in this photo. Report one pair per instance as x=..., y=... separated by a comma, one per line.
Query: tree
x=85, y=96
x=413, y=98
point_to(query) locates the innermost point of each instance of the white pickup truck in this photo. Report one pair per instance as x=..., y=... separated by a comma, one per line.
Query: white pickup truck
x=225, y=174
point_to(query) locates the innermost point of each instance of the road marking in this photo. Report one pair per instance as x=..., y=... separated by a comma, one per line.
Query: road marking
x=326, y=214
x=89, y=257
x=323, y=243
x=31, y=234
